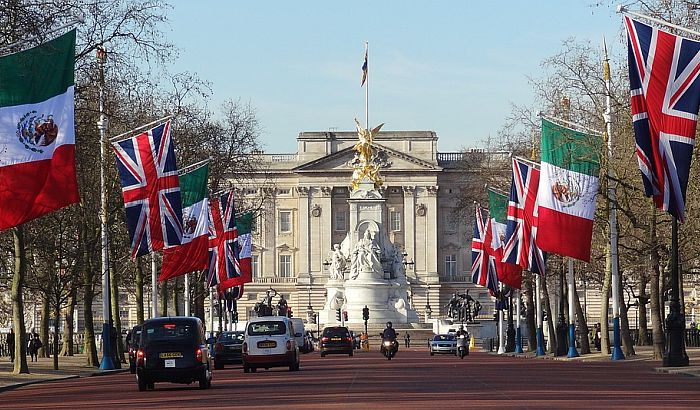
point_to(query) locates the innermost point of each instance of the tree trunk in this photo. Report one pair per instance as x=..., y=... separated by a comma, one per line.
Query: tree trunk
x=550, y=319
x=67, y=349
x=642, y=300
x=655, y=297
x=44, y=327
x=530, y=312
x=605, y=304
x=163, y=299
x=57, y=314
x=581, y=324
x=90, y=347
x=627, y=343
x=20, y=269
x=139, y=291
x=116, y=318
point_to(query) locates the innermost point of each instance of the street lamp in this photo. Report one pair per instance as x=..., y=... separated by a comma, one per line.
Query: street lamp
x=428, y=309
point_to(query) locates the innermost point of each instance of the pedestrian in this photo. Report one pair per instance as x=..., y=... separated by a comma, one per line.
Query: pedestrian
x=596, y=336
x=33, y=346
x=10, y=339
x=407, y=340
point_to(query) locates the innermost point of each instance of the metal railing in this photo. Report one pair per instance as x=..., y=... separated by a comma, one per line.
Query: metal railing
x=275, y=280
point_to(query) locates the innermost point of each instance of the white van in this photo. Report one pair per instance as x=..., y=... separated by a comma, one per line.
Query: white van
x=270, y=342
x=299, y=332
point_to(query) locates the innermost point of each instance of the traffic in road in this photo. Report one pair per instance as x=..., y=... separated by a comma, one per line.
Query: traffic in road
x=413, y=379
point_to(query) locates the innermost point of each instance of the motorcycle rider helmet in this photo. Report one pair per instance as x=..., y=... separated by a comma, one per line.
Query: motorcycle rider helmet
x=388, y=324
x=461, y=327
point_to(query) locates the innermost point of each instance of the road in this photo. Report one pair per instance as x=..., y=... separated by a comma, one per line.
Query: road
x=412, y=380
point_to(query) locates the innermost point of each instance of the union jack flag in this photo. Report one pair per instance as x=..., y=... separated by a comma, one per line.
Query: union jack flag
x=242, y=254
x=151, y=190
x=521, y=227
x=222, y=239
x=483, y=269
x=665, y=95
x=231, y=296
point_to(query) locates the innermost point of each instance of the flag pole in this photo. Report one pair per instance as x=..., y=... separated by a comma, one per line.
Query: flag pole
x=154, y=285
x=538, y=284
x=120, y=138
x=518, y=335
x=367, y=87
x=569, y=124
x=612, y=204
x=623, y=10
x=187, y=294
x=501, y=340
x=572, y=313
x=107, y=362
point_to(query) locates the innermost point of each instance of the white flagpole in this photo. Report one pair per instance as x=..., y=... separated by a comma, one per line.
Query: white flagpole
x=622, y=9
x=538, y=299
x=73, y=22
x=187, y=294
x=518, y=335
x=572, y=323
x=501, y=341
x=612, y=195
x=367, y=87
x=154, y=285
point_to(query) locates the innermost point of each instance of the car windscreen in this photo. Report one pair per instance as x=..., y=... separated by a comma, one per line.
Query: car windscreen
x=442, y=338
x=169, y=332
x=267, y=328
x=231, y=337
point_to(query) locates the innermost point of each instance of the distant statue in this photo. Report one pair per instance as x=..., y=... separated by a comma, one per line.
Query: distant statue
x=282, y=306
x=365, y=167
x=453, y=306
x=337, y=267
x=398, y=267
x=365, y=256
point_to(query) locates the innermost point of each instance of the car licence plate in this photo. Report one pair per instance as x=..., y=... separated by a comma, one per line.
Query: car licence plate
x=170, y=355
x=335, y=339
x=170, y=363
x=267, y=344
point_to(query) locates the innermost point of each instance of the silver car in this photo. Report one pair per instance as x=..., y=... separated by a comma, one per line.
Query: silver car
x=443, y=344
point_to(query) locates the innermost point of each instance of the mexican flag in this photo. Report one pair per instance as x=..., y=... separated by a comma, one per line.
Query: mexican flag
x=507, y=273
x=193, y=253
x=37, y=134
x=567, y=190
x=242, y=253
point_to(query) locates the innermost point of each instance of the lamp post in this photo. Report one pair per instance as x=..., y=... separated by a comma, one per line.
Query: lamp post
x=428, y=309
x=309, y=308
x=510, y=330
x=107, y=362
x=561, y=321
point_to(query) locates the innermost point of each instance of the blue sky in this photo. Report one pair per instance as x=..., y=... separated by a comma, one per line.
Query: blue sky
x=453, y=67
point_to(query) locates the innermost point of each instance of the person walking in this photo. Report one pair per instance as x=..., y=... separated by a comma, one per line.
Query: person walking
x=596, y=336
x=407, y=340
x=33, y=346
x=10, y=339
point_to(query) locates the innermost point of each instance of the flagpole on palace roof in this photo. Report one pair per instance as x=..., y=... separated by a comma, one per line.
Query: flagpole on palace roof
x=367, y=86
x=612, y=194
x=623, y=10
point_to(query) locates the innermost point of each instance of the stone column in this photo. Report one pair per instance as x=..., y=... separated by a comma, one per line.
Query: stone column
x=431, y=243
x=325, y=229
x=303, y=232
x=409, y=208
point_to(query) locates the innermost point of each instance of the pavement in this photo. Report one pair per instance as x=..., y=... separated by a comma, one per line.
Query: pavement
x=69, y=367
x=644, y=355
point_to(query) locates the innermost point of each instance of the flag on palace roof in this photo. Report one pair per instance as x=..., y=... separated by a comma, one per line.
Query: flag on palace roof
x=520, y=248
x=509, y=274
x=151, y=189
x=664, y=73
x=193, y=253
x=37, y=131
x=567, y=190
x=364, y=70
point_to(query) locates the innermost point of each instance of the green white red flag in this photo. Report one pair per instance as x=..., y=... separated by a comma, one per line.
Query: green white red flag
x=37, y=132
x=193, y=253
x=567, y=190
x=507, y=273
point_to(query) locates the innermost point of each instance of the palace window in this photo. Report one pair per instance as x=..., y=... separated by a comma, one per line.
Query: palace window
x=450, y=265
x=395, y=220
x=285, y=266
x=285, y=221
x=254, y=264
x=341, y=221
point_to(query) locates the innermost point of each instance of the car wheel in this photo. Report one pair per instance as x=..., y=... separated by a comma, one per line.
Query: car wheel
x=203, y=381
x=246, y=369
x=151, y=386
x=253, y=369
x=142, y=383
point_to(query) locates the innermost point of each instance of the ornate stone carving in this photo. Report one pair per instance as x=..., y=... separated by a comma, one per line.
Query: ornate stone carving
x=421, y=209
x=316, y=210
x=408, y=190
x=432, y=190
x=326, y=190
x=303, y=190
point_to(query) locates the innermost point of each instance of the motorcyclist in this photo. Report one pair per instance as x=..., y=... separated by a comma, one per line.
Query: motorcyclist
x=389, y=332
x=461, y=331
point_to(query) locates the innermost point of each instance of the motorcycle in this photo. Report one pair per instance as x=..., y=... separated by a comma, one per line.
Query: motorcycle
x=389, y=348
x=462, y=346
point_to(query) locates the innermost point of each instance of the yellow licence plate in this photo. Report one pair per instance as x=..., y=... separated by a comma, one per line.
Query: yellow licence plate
x=267, y=344
x=335, y=339
x=170, y=355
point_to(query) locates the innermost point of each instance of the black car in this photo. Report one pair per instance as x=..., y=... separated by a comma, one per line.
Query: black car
x=173, y=349
x=336, y=339
x=132, y=342
x=228, y=349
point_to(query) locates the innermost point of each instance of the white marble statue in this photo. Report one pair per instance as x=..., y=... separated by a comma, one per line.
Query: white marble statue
x=365, y=256
x=398, y=268
x=337, y=267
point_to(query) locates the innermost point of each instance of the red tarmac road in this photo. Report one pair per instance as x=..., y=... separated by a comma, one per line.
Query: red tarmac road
x=368, y=381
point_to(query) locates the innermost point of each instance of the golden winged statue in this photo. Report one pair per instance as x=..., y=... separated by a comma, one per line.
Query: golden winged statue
x=365, y=167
